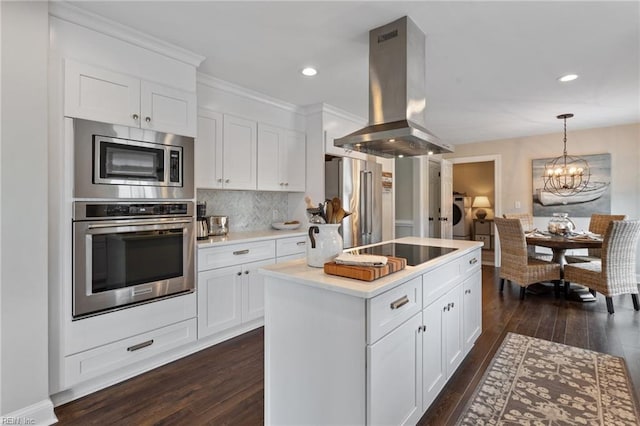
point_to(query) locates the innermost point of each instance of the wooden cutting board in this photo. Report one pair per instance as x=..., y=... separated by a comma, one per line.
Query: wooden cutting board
x=366, y=273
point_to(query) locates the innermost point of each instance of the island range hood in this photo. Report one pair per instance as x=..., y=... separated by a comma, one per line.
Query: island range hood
x=397, y=100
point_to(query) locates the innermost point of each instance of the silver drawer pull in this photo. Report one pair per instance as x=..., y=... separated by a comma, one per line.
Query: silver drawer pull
x=301, y=243
x=400, y=302
x=245, y=251
x=473, y=261
x=140, y=345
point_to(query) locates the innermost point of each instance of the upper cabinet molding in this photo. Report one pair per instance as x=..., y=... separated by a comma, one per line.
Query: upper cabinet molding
x=216, y=83
x=330, y=109
x=78, y=16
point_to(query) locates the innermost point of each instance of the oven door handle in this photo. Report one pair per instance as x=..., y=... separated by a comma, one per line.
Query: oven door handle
x=135, y=223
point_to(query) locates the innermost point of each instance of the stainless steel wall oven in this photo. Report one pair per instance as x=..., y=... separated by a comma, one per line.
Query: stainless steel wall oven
x=114, y=161
x=126, y=253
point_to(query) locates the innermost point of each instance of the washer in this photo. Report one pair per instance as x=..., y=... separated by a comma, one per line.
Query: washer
x=462, y=219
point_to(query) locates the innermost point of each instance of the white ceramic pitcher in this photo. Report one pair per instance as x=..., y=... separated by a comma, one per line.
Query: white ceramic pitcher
x=324, y=244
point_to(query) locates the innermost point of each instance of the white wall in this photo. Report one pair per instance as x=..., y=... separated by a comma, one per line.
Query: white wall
x=622, y=142
x=23, y=227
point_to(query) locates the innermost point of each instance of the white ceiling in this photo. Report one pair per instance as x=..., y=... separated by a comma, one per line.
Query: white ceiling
x=491, y=66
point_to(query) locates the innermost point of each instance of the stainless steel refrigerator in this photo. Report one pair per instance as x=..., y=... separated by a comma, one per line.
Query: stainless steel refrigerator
x=358, y=184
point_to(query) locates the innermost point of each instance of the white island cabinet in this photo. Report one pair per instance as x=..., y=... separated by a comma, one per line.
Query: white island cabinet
x=343, y=351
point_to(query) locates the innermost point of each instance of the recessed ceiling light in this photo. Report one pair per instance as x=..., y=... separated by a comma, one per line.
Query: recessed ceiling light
x=400, y=156
x=568, y=77
x=430, y=153
x=309, y=71
x=392, y=140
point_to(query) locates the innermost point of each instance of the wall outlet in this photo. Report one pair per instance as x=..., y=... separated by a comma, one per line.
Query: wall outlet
x=517, y=204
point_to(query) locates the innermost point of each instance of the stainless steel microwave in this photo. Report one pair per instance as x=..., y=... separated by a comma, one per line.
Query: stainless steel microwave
x=113, y=161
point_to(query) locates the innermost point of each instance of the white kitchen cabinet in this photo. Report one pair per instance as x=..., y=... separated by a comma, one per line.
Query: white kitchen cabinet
x=414, y=343
x=281, y=159
x=239, y=153
x=230, y=289
x=472, y=309
x=111, y=357
x=434, y=375
x=93, y=93
x=394, y=365
x=208, y=150
x=219, y=300
x=453, y=346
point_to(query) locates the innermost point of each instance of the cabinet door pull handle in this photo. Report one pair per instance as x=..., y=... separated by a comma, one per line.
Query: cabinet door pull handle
x=239, y=252
x=239, y=273
x=226, y=181
x=400, y=302
x=246, y=272
x=135, y=117
x=453, y=304
x=301, y=243
x=220, y=180
x=148, y=119
x=140, y=345
x=473, y=261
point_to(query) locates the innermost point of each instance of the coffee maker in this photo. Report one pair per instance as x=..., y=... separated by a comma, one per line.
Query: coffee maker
x=202, y=225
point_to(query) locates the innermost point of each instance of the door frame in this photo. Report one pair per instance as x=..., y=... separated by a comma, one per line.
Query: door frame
x=497, y=182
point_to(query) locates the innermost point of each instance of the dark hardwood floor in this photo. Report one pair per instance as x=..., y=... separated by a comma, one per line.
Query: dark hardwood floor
x=223, y=385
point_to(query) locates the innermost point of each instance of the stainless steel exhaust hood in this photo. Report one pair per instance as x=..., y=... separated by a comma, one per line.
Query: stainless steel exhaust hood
x=396, y=96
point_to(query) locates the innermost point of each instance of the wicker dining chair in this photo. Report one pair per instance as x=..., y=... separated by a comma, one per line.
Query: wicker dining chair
x=517, y=266
x=598, y=225
x=527, y=224
x=615, y=274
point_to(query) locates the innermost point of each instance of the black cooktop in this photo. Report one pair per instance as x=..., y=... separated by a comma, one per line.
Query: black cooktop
x=415, y=254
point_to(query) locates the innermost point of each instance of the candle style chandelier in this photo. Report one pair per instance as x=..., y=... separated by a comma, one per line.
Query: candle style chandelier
x=566, y=175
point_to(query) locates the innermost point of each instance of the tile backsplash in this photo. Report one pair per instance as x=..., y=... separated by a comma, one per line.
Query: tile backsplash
x=247, y=210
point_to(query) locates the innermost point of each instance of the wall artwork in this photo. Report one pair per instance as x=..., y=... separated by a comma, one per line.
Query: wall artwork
x=596, y=198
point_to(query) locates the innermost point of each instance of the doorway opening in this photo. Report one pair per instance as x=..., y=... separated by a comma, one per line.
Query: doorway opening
x=475, y=177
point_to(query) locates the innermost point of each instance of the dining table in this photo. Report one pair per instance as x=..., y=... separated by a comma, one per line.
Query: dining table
x=559, y=244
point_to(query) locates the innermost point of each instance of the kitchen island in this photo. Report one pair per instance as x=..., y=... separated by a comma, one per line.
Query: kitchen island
x=343, y=351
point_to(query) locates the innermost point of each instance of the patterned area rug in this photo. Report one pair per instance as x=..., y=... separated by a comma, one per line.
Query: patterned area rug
x=536, y=382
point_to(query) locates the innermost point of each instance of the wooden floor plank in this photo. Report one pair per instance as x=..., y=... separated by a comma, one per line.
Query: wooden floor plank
x=224, y=384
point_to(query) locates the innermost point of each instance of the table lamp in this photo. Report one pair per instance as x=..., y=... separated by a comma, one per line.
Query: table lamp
x=482, y=202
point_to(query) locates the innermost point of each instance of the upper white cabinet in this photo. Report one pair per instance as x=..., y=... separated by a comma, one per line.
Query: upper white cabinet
x=239, y=154
x=97, y=94
x=281, y=159
x=208, y=150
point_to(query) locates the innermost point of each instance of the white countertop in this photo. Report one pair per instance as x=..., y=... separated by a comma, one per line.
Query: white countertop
x=297, y=270
x=244, y=237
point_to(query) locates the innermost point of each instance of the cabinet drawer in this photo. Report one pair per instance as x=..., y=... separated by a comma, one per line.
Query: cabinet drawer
x=282, y=259
x=471, y=262
x=107, y=358
x=437, y=282
x=235, y=254
x=392, y=308
x=292, y=245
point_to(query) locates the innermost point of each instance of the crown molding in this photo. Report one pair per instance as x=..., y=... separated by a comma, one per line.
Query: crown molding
x=216, y=83
x=330, y=109
x=75, y=15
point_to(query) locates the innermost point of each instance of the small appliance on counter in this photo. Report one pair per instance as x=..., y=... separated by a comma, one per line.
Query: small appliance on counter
x=218, y=225
x=202, y=225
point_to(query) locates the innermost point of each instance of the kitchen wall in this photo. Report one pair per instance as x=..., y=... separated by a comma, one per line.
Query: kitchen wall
x=24, y=392
x=247, y=210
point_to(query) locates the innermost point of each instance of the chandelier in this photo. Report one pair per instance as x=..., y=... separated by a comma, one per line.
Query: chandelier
x=566, y=175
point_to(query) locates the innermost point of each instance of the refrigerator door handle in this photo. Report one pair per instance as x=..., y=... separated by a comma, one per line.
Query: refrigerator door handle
x=368, y=202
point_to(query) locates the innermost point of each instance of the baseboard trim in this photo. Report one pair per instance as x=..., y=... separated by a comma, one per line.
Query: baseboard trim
x=40, y=413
